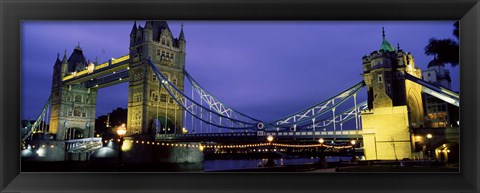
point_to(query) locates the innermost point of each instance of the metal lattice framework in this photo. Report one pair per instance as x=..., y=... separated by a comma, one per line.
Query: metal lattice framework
x=340, y=118
x=315, y=111
x=42, y=122
x=217, y=105
x=200, y=112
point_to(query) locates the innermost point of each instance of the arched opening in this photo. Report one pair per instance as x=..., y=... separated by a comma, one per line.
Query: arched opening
x=158, y=125
x=74, y=133
x=415, y=108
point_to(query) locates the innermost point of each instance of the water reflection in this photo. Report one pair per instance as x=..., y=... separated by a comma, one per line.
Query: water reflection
x=230, y=164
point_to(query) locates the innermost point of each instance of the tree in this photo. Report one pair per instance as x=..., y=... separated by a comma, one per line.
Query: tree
x=444, y=51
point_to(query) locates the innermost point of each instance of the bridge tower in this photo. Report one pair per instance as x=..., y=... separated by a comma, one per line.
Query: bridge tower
x=150, y=108
x=394, y=104
x=73, y=108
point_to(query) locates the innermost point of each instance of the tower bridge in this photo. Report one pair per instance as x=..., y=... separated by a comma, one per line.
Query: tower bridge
x=160, y=109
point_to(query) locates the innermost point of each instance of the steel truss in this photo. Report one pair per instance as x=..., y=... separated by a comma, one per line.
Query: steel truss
x=42, y=122
x=321, y=108
x=204, y=114
x=216, y=104
x=339, y=119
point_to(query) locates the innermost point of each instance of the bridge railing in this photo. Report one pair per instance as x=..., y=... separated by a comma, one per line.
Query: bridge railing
x=287, y=134
x=82, y=145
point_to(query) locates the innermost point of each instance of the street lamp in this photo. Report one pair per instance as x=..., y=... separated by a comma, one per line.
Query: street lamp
x=353, y=142
x=121, y=131
x=321, y=141
x=270, y=161
x=270, y=138
x=429, y=145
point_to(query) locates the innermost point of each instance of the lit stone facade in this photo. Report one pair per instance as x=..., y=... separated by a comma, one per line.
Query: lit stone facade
x=437, y=110
x=394, y=104
x=72, y=114
x=147, y=100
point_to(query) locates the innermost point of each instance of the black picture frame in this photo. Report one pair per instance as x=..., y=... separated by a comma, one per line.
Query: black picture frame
x=12, y=12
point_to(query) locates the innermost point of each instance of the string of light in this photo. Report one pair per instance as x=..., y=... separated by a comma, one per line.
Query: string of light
x=220, y=146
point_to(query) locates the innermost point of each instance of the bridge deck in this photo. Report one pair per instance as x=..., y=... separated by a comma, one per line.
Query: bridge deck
x=261, y=136
x=107, y=68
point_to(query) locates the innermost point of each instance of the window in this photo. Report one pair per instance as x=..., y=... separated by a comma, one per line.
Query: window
x=137, y=97
x=168, y=43
x=428, y=74
x=78, y=98
x=379, y=78
x=154, y=96
x=163, y=41
x=163, y=98
x=87, y=99
x=167, y=75
x=69, y=112
x=69, y=98
x=388, y=88
x=84, y=114
x=172, y=55
x=174, y=81
x=170, y=100
x=158, y=52
x=137, y=116
x=154, y=77
x=77, y=112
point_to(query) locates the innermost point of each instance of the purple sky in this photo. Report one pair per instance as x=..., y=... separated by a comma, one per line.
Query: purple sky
x=264, y=69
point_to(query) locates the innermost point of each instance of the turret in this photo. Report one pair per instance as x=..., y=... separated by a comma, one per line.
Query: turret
x=56, y=72
x=64, y=68
x=133, y=33
x=182, y=43
x=148, y=32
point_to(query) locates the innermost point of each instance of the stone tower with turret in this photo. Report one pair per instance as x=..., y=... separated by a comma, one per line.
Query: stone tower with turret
x=73, y=106
x=150, y=108
x=394, y=103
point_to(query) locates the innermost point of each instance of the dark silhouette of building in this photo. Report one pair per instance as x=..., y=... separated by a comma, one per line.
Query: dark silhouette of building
x=106, y=124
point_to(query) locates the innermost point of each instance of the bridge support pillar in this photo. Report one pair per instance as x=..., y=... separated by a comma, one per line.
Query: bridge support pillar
x=386, y=133
x=184, y=152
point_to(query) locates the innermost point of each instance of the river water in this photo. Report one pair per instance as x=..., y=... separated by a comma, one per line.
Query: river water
x=234, y=164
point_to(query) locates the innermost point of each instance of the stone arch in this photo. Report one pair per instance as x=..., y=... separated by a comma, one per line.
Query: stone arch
x=157, y=125
x=415, y=106
x=74, y=133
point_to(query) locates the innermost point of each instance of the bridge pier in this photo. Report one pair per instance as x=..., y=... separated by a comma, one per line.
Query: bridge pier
x=386, y=134
x=179, y=154
x=186, y=152
x=45, y=150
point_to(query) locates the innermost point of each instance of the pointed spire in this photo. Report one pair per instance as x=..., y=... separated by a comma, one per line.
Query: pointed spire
x=64, y=60
x=78, y=47
x=148, y=25
x=383, y=32
x=386, y=46
x=134, y=28
x=182, y=36
x=57, y=61
x=398, y=46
